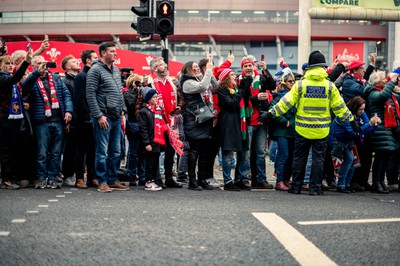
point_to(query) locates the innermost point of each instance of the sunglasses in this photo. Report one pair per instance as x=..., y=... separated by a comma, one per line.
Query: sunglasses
x=291, y=81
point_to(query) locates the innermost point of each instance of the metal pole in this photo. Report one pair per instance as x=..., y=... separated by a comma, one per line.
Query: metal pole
x=164, y=48
x=304, y=33
x=396, y=61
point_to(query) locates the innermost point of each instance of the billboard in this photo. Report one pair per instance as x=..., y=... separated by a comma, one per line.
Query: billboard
x=371, y=4
x=59, y=50
x=348, y=51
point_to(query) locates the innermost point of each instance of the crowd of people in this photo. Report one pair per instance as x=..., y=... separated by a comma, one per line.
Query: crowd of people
x=55, y=129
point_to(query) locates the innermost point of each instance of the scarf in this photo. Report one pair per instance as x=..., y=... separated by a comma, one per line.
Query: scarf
x=389, y=117
x=53, y=94
x=254, y=112
x=361, y=80
x=159, y=125
x=166, y=95
x=242, y=112
x=15, y=109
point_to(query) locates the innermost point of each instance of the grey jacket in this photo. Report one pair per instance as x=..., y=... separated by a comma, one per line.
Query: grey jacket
x=104, y=91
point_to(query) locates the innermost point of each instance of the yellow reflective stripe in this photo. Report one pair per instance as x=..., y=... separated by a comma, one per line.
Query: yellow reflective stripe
x=309, y=108
x=337, y=108
x=318, y=119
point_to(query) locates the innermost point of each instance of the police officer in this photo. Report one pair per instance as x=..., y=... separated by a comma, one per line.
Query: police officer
x=315, y=96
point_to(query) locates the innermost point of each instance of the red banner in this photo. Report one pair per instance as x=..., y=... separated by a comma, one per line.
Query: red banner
x=348, y=51
x=59, y=50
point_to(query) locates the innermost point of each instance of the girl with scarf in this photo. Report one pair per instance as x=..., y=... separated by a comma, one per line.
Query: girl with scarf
x=385, y=140
x=10, y=119
x=343, y=132
x=197, y=94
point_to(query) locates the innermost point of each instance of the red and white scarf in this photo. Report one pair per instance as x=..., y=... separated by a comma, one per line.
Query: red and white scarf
x=389, y=117
x=53, y=94
x=361, y=80
x=159, y=125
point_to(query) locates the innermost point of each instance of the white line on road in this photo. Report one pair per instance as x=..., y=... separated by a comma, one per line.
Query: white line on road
x=358, y=221
x=43, y=206
x=18, y=221
x=67, y=192
x=73, y=189
x=4, y=233
x=53, y=200
x=60, y=196
x=32, y=211
x=302, y=250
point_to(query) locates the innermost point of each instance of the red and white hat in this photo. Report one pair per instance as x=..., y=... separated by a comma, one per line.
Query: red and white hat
x=224, y=72
x=246, y=60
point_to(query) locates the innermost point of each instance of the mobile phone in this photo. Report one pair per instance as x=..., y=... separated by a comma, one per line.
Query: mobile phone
x=46, y=37
x=230, y=52
x=209, y=50
x=28, y=47
x=3, y=46
x=262, y=57
x=51, y=65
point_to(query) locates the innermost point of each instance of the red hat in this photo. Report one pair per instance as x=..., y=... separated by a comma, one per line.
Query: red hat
x=223, y=73
x=246, y=60
x=355, y=64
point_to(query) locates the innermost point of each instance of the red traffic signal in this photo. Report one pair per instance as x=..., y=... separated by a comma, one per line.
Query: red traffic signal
x=165, y=17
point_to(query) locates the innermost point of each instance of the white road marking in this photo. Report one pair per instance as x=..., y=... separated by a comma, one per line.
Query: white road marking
x=32, y=211
x=358, y=221
x=18, y=221
x=4, y=233
x=68, y=192
x=53, y=200
x=302, y=250
x=73, y=189
x=43, y=206
x=60, y=196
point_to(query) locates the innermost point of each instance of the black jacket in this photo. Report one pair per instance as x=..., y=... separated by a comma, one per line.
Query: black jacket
x=81, y=108
x=131, y=97
x=146, y=126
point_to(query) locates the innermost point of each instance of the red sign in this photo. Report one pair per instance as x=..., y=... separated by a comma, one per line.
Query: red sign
x=59, y=50
x=348, y=51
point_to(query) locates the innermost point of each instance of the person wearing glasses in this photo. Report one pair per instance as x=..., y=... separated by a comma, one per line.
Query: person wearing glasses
x=283, y=132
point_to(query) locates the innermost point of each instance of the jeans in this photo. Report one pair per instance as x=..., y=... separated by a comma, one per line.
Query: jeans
x=49, y=140
x=108, y=150
x=308, y=168
x=346, y=170
x=301, y=150
x=135, y=162
x=233, y=162
x=242, y=165
x=183, y=161
x=258, y=148
x=284, y=158
x=272, y=151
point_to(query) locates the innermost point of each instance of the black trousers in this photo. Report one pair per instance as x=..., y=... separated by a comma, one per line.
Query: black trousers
x=168, y=159
x=85, y=151
x=152, y=165
x=361, y=174
x=198, y=155
x=301, y=150
x=380, y=165
x=69, y=152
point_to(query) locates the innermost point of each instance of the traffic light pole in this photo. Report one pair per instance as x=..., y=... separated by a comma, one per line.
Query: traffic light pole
x=164, y=48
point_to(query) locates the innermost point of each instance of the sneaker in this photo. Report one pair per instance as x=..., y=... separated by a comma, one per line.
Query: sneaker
x=160, y=183
x=219, y=167
x=41, y=184
x=53, y=184
x=104, y=188
x=212, y=182
x=152, y=186
x=70, y=181
x=9, y=185
x=118, y=186
x=281, y=186
x=263, y=185
x=182, y=179
x=231, y=187
x=24, y=183
x=394, y=187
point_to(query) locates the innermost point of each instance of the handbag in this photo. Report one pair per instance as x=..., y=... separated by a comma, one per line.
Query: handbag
x=338, y=149
x=202, y=114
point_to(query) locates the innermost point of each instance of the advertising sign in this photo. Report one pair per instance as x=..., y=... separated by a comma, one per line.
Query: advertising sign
x=348, y=51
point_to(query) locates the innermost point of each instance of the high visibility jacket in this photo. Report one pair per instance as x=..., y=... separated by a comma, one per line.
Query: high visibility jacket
x=314, y=96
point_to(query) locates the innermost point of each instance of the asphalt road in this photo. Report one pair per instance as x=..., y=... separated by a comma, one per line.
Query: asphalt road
x=184, y=227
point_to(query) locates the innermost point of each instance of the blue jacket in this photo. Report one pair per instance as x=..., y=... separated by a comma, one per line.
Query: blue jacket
x=37, y=101
x=343, y=132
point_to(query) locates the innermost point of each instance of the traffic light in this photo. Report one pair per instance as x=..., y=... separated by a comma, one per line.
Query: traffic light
x=145, y=25
x=165, y=17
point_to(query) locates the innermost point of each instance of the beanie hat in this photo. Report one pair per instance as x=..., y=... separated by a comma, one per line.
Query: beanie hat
x=246, y=60
x=147, y=93
x=316, y=59
x=304, y=66
x=223, y=73
x=355, y=64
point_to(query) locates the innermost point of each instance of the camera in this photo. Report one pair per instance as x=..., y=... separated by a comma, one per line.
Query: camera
x=51, y=65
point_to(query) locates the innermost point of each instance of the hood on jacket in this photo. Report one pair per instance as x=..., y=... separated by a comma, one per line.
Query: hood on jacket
x=316, y=73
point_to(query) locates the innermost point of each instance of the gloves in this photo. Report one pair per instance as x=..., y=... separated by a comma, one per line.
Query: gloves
x=264, y=116
x=356, y=127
